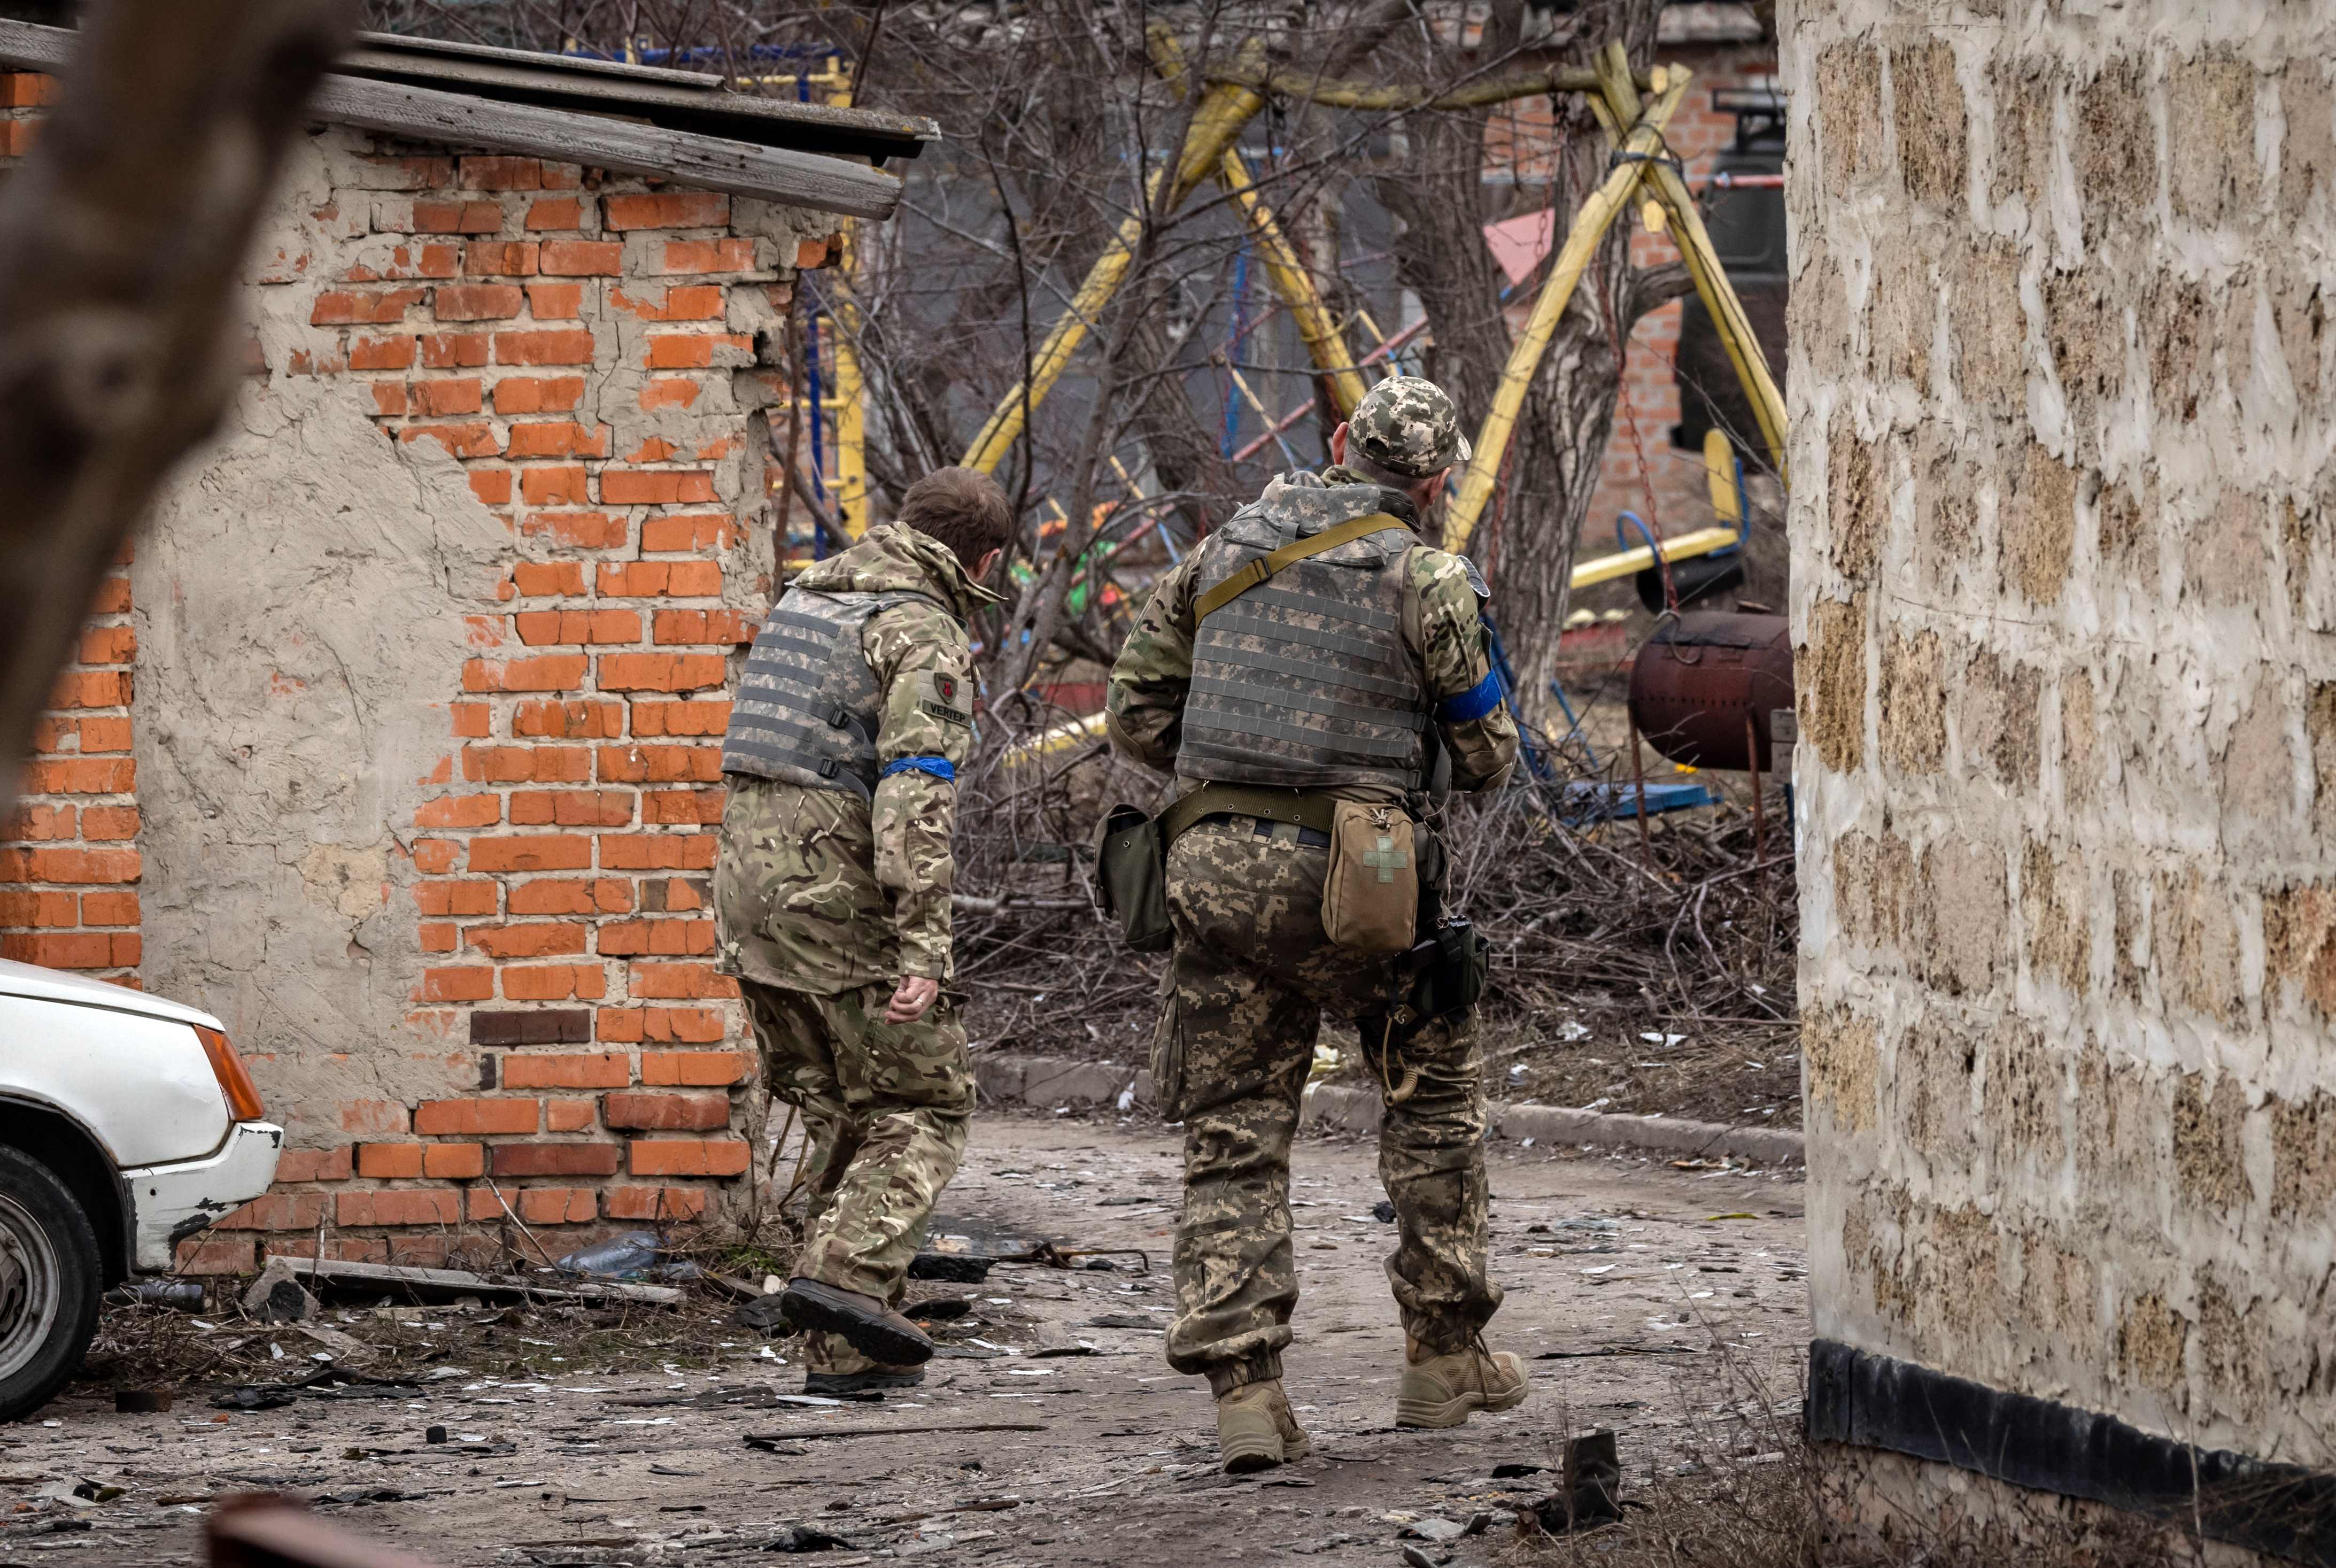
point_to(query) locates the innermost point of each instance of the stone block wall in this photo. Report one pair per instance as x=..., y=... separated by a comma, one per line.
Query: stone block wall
x=2065, y=599
x=398, y=744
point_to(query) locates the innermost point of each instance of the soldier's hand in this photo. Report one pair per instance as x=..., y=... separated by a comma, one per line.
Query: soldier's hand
x=913, y=1001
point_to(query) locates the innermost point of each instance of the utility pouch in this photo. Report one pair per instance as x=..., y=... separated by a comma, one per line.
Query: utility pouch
x=1370, y=900
x=1448, y=972
x=1131, y=878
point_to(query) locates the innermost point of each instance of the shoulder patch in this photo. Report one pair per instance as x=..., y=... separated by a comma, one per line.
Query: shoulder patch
x=1477, y=578
x=944, y=697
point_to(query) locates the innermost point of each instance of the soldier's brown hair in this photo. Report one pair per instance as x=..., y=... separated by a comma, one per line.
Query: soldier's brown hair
x=961, y=507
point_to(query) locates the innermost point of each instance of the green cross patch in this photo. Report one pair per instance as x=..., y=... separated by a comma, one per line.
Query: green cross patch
x=1386, y=860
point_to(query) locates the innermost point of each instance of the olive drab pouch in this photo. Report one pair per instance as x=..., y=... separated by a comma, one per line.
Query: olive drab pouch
x=1370, y=900
x=1131, y=878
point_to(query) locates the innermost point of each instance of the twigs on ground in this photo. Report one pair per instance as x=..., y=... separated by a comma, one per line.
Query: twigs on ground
x=1593, y=945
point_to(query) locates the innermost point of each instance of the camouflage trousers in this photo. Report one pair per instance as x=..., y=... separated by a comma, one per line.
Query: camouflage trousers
x=1251, y=978
x=886, y=1106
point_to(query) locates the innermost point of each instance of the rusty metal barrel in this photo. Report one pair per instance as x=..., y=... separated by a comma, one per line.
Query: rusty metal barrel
x=1701, y=676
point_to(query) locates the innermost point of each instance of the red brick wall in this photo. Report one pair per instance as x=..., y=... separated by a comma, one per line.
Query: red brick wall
x=520, y=314
x=1642, y=471
x=69, y=858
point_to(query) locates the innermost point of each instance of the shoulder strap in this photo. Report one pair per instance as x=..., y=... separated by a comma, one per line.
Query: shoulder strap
x=1265, y=566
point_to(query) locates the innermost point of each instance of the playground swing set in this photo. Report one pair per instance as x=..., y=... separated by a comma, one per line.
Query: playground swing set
x=1633, y=111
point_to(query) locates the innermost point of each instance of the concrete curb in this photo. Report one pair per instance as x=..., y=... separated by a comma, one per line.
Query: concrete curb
x=1048, y=1082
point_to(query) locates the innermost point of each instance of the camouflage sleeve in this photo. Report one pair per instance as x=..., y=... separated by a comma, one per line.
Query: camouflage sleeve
x=925, y=671
x=1455, y=651
x=1144, y=708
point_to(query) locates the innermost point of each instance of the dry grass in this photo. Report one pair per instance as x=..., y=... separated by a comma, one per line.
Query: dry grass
x=1741, y=1487
x=1780, y=1514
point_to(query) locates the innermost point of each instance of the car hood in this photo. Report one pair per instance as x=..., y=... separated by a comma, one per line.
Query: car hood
x=58, y=986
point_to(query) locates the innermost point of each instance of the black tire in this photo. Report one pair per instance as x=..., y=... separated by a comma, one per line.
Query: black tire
x=48, y=1284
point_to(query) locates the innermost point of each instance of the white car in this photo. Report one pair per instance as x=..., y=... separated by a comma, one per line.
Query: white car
x=127, y=1124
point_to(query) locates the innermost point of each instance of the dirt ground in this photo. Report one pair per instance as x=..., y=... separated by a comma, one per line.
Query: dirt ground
x=1668, y=1305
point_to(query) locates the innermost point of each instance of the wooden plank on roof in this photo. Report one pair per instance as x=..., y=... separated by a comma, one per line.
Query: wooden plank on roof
x=545, y=81
x=777, y=174
x=805, y=127
x=33, y=46
x=403, y=42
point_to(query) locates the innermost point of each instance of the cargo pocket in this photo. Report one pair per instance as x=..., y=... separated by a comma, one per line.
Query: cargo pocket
x=1168, y=1057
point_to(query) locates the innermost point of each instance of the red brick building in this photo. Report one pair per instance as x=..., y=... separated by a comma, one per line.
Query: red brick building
x=1723, y=46
x=397, y=742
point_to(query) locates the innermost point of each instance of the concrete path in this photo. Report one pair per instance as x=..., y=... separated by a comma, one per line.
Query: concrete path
x=1622, y=1255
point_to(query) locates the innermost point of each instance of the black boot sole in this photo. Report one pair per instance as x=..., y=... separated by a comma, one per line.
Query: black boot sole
x=816, y=1306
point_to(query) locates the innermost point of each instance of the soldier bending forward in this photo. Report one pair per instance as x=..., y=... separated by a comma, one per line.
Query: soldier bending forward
x=832, y=895
x=1333, y=680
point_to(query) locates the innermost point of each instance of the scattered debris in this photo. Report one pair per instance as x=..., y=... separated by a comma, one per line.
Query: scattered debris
x=253, y=1399
x=1603, y=1350
x=765, y=1315
x=765, y=1439
x=180, y=1295
x=635, y=1255
x=370, y=1281
x=140, y=1402
x=803, y=1538
x=941, y=1309
x=1383, y=1212
x=278, y=1296
x=1126, y=1321
x=956, y=1267
x=1590, y=1492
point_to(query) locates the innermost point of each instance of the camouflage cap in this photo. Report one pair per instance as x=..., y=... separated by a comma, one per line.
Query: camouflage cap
x=1408, y=424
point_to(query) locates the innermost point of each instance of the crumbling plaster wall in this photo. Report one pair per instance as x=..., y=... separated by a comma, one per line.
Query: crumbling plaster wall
x=301, y=616
x=2064, y=598
x=434, y=651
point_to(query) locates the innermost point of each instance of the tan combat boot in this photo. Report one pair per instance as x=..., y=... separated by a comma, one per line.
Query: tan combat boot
x=1439, y=1391
x=1256, y=1431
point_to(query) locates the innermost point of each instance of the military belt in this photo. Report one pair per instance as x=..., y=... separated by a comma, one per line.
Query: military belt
x=1272, y=805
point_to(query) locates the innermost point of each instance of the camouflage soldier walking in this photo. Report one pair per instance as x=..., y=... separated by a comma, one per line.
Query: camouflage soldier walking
x=832, y=893
x=1298, y=692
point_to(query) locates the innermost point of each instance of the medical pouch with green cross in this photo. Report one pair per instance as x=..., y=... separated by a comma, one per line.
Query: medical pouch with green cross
x=1370, y=900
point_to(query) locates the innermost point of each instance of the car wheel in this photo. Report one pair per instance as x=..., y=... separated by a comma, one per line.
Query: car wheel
x=48, y=1284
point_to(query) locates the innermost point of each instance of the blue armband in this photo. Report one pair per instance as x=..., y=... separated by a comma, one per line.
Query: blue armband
x=940, y=767
x=1473, y=703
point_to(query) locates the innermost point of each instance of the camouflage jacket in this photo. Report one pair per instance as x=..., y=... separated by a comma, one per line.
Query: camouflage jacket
x=823, y=892
x=1153, y=673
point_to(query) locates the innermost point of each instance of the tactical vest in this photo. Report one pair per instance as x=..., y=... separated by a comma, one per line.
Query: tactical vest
x=1305, y=681
x=807, y=709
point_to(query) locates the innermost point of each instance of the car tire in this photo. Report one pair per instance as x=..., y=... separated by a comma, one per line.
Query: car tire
x=48, y=1283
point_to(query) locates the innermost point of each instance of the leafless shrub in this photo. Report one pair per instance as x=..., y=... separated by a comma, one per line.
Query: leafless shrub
x=1593, y=934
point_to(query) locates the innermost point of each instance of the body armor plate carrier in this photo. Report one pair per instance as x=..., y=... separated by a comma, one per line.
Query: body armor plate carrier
x=1305, y=681
x=807, y=709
